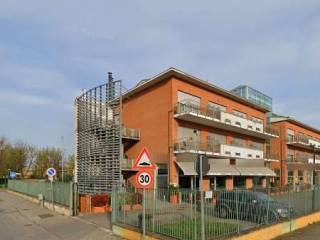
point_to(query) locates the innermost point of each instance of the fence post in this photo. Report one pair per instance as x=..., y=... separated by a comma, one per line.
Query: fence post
x=114, y=206
x=71, y=195
x=237, y=211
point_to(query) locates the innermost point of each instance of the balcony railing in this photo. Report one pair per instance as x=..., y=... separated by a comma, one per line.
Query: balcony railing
x=303, y=140
x=130, y=133
x=226, y=118
x=298, y=159
x=221, y=149
x=127, y=163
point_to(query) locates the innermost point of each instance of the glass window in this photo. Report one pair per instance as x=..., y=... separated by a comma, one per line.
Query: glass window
x=290, y=135
x=188, y=134
x=217, y=138
x=240, y=114
x=257, y=120
x=257, y=145
x=290, y=155
x=188, y=99
x=216, y=106
x=290, y=177
x=239, y=142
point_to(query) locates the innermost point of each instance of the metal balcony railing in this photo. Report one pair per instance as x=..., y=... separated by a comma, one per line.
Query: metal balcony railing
x=300, y=159
x=185, y=145
x=301, y=139
x=130, y=133
x=127, y=163
x=206, y=111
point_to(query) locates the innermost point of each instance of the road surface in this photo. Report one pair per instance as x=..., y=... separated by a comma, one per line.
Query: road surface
x=22, y=219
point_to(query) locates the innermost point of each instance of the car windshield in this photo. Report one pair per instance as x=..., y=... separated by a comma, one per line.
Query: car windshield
x=265, y=198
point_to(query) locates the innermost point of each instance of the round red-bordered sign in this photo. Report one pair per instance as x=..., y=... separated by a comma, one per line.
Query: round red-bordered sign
x=145, y=179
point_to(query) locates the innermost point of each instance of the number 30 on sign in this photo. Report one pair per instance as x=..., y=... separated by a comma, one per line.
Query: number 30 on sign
x=145, y=179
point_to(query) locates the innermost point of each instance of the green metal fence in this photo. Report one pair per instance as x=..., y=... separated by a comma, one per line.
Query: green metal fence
x=60, y=191
x=177, y=213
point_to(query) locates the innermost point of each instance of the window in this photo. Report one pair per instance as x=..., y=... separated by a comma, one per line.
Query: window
x=216, y=106
x=257, y=145
x=239, y=142
x=217, y=139
x=300, y=175
x=290, y=177
x=188, y=134
x=257, y=120
x=239, y=114
x=290, y=135
x=188, y=99
x=290, y=155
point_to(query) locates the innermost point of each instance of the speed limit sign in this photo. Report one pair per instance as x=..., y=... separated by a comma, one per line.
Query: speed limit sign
x=145, y=179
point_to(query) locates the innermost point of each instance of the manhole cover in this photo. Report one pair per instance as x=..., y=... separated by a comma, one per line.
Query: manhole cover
x=47, y=215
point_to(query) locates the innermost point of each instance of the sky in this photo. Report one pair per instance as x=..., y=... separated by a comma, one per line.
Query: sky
x=51, y=50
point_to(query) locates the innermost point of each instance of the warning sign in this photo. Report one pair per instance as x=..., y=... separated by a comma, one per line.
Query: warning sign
x=144, y=161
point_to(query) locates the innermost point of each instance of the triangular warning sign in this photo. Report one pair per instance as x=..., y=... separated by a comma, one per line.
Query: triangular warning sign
x=144, y=160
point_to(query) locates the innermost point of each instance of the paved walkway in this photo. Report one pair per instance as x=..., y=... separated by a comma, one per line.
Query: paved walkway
x=311, y=232
x=22, y=219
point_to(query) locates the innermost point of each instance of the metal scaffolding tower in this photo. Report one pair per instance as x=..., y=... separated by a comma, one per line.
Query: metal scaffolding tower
x=98, y=138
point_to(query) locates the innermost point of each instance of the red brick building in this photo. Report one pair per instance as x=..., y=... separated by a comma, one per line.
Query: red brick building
x=295, y=146
x=179, y=115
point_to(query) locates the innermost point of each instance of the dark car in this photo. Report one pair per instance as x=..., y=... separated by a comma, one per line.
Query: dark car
x=252, y=206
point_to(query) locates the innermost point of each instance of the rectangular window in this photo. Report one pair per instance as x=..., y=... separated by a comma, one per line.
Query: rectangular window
x=216, y=106
x=290, y=177
x=188, y=99
x=257, y=145
x=290, y=135
x=188, y=134
x=257, y=120
x=239, y=114
x=290, y=155
x=239, y=142
x=217, y=139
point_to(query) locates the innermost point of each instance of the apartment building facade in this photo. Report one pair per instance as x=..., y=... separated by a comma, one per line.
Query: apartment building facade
x=179, y=116
x=297, y=144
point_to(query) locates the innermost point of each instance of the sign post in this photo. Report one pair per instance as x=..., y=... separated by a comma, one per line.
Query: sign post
x=51, y=172
x=144, y=179
x=202, y=168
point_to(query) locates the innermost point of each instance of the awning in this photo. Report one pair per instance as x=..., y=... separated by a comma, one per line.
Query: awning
x=215, y=170
x=187, y=168
x=255, y=171
x=222, y=170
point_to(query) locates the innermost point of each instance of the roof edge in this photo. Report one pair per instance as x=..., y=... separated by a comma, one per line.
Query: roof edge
x=170, y=72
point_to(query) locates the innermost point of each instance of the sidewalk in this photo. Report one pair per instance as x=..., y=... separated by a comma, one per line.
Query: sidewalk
x=22, y=219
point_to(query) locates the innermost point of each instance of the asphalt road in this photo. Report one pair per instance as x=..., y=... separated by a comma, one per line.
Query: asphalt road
x=22, y=219
x=311, y=232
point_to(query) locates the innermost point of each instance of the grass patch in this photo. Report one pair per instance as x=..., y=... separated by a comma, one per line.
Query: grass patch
x=185, y=229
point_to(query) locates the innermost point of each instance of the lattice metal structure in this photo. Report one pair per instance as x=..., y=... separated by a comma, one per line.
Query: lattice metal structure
x=98, y=138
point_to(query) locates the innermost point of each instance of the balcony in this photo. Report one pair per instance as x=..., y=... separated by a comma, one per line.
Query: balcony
x=303, y=142
x=220, y=150
x=130, y=133
x=127, y=164
x=223, y=120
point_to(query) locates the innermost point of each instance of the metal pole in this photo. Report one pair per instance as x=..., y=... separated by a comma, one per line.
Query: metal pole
x=52, y=194
x=62, y=158
x=195, y=206
x=202, y=201
x=144, y=215
x=313, y=177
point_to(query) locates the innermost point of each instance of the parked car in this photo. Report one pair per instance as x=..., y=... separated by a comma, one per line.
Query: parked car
x=252, y=206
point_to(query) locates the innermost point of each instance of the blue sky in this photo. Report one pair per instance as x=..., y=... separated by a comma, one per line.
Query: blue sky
x=50, y=50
